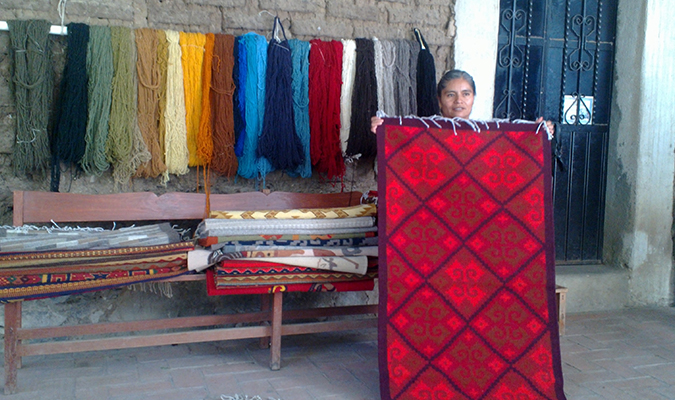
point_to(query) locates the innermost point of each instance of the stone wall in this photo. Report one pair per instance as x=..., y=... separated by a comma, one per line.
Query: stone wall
x=302, y=19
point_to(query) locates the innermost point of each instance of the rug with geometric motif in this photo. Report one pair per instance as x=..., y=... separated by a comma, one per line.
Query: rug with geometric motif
x=466, y=262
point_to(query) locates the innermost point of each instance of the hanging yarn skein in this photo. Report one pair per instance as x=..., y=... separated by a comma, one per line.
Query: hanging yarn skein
x=175, y=137
x=348, y=76
x=364, y=101
x=325, y=81
x=139, y=151
x=118, y=145
x=414, y=55
x=389, y=70
x=68, y=144
x=33, y=84
x=279, y=141
x=163, y=65
x=402, y=83
x=192, y=47
x=224, y=160
x=250, y=166
x=149, y=78
x=300, y=60
x=122, y=147
x=239, y=76
x=100, y=73
x=204, y=139
x=427, y=102
x=379, y=72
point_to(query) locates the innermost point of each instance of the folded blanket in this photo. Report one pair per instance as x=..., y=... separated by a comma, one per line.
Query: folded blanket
x=223, y=227
x=333, y=239
x=332, y=260
x=362, y=210
x=29, y=238
x=233, y=252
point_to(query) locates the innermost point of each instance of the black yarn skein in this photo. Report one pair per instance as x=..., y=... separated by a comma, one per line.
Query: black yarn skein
x=68, y=143
x=364, y=101
x=427, y=104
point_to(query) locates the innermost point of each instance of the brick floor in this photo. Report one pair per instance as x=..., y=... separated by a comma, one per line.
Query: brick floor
x=627, y=354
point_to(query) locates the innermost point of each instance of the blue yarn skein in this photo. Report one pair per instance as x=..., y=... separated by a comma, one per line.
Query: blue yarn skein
x=279, y=142
x=300, y=85
x=239, y=77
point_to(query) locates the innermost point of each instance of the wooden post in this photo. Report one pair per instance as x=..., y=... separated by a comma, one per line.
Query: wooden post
x=275, y=362
x=12, y=358
x=561, y=300
x=265, y=306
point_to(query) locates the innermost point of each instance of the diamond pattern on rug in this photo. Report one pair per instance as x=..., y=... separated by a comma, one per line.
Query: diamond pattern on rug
x=473, y=365
x=403, y=205
x=463, y=205
x=465, y=283
x=504, y=243
x=427, y=317
x=425, y=241
x=467, y=289
x=502, y=169
x=424, y=165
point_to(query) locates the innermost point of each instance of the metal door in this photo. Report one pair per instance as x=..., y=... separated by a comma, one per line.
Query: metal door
x=555, y=60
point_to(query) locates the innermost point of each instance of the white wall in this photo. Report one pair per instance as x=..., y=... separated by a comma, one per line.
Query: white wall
x=477, y=24
x=641, y=169
x=651, y=278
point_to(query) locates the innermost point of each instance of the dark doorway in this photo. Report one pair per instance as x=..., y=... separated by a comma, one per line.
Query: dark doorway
x=555, y=59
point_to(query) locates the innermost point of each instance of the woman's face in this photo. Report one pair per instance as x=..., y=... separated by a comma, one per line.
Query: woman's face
x=456, y=99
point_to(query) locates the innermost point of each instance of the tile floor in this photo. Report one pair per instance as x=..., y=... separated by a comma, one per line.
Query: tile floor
x=626, y=354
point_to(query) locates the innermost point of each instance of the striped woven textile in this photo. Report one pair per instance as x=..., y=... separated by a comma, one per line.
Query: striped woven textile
x=34, y=275
x=331, y=239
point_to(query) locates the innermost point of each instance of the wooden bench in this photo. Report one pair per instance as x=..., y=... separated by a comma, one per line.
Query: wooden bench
x=269, y=323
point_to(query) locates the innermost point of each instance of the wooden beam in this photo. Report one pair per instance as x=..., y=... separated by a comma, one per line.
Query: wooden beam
x=328, y=326
x=137, y=326
x=205, y=335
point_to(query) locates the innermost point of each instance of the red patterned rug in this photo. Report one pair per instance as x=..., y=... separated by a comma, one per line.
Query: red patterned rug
x=467, y=285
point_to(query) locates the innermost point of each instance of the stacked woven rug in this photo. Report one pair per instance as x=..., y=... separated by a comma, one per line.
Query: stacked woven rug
x=44, y=262
x=328, y=249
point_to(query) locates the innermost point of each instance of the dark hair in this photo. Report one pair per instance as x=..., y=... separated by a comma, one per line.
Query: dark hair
x=454, y=74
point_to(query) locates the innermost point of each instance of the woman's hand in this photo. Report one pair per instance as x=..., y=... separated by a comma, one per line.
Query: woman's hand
x=550, y=125
x=374, y=123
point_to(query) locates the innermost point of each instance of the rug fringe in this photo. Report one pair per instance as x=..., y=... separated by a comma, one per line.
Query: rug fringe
x=163, y=288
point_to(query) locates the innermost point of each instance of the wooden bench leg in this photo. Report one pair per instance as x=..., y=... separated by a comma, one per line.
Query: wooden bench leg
x=265, y=305
x=561, y=299
x=277, y=305
x=12, y=358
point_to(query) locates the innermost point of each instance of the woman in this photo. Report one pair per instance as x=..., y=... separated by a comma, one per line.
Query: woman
x=456, y=91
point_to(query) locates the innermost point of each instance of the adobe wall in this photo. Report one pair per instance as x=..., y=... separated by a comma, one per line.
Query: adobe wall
x=302, y=19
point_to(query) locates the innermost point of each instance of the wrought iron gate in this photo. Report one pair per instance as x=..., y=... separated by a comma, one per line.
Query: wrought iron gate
x=555, y=60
